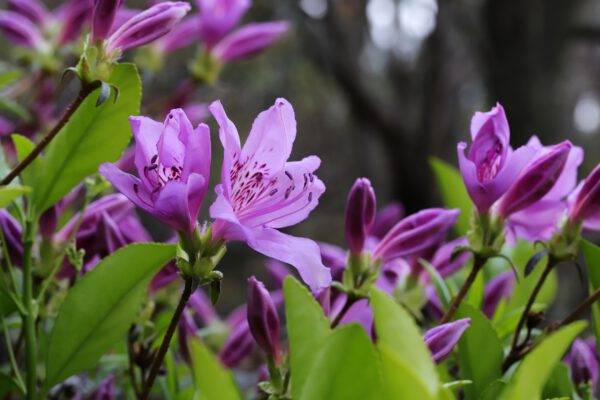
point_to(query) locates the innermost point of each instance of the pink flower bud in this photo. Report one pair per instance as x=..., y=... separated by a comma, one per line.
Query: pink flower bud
x=442, y=339
x=360, y=214
x=19, y=30
x=248, y=40
x=586, y=207
x=103, y=18
x=262, y=317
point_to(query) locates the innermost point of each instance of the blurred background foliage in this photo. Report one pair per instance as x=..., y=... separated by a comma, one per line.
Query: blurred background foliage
x=380, y=86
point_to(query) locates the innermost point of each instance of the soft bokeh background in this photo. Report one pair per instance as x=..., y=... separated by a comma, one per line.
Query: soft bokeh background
x=379, y=86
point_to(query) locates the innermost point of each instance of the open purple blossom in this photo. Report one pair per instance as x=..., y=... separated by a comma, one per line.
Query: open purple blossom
x=260, y=191
x=442, y=339
x=490, y=166
x=585, y=201
x=536, y=180
x=173, y=165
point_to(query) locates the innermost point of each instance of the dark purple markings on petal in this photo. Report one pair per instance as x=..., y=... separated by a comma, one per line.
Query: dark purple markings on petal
x=288, y=191
x=153, y=159
x=272, y=192
x=289, y=175
x=310, y=196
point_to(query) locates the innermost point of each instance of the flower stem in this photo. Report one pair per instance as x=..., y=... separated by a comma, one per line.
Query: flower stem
x=86, y=89
x=478, y=264
x=349, y=303
x=536, y=290
x=12, y=358
x=30, y=316
x=164, y=346
x=592, y=298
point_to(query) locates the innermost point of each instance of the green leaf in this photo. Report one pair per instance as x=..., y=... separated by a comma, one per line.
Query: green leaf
x=307, y=328
x=521, y=253
x=346, y=368
x=9, y=193
x=493, y=390
x=212, y=380
x=8, y=77
x=397, y=330
x=475, y=294
x=24, y=146
x=400, y=381
x=7, y=385
x=480, y=352
x=453, y=191
x=528, y=380
x=559, y=384
x=441, y=289
x=100, y=308
x=591, y=255
x=92, y=136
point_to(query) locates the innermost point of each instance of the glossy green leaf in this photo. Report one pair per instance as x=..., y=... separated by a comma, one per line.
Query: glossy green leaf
x=346, y=368
x=480, y=352
x=559, y=384
x=591, y=255
x=397, y=330
x=400, y=381
x=475, y=294
x=212, y=380
x=24, y=146
x=307, y=329
x=10, y=193
x=93, y=135
x=492, y=392
x=100, y=308
x=531, y=375
x=453, y=191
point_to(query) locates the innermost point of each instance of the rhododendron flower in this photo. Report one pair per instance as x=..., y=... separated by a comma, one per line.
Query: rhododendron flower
x=536, y=180
x=260, y=191
x=173, y=165
x=583, y=363
x=107, y=224
x=585, y=201
x=386, y=218
x=540, y=220
x=249, y=40
x=490, y=165
x=19, y=30
x=218, y=17
x=360, y=214
x=498, y=288
x=12, y=231
x=442, y=339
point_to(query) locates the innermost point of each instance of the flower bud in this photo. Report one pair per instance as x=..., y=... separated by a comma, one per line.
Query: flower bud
x=73, y=16
x=535, y=180
x=360, y=214
x=147, y=26
x=386, y=218
x=583, y=362
x=445, y=261
x=106, y=389
x=442, y=339
x=416, y=233
x=498, y=288
x=586, y=207
x=238, y=345
x=19, y=30
x=103, y=18
x=248, y=40
x=33, y=10
x=262, y=317
x=218, y=17
x=12, y=235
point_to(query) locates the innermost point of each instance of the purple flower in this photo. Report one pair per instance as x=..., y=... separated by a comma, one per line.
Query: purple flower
x=173, y=164
x=11, y=229
x=536, y=180
x=260, y=191
x=107, y=224
x=442, y=339
x=218, y=17
x=585, y=205
x=262, y=317
x=73, y=17
x=416, y=233
x=540, y=220
x=360, y=214
x=490, y=166
x=277, y=272
x=249, y=40
x=238, y=345
x=182, y=34
x=583, y=363
x=103, y=17
x=445, y=261
x=498, y=288
x=20, y=30
x=33, y=10
x=147, y=26
x=386, y=218
x=106, y=389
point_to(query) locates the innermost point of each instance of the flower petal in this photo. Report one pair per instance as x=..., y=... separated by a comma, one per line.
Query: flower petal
x=129, y=185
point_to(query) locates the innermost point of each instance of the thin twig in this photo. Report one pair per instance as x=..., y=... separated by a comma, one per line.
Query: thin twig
x=592, y=298
x=478, y=264
x=86, y=89
x=164, y=346
x=349, y=303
